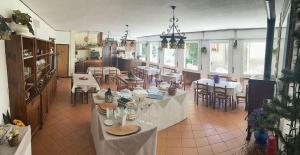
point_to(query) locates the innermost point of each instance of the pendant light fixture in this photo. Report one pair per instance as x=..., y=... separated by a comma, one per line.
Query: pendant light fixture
x=173, y=33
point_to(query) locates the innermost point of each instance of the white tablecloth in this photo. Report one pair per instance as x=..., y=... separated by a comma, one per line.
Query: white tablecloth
x=171, y=77
x=233, y=88
x=150, y=70
x=141, y=143
x=85, y=85
x=91, y=70
x=24, y=148
x=166, y=112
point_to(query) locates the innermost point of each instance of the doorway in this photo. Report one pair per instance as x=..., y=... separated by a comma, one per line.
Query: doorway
x=62, y=60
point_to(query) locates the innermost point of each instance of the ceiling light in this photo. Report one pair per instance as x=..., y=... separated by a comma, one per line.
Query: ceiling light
x=173, y=33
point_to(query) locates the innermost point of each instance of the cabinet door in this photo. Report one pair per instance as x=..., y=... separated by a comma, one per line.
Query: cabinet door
x=44, y=99
x=34, y=114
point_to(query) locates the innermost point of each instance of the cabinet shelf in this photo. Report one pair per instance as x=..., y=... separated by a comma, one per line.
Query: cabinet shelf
x=41, y=55
x=28, y=57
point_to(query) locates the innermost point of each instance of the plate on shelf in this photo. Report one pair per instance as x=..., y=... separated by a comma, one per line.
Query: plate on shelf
x=123, y=130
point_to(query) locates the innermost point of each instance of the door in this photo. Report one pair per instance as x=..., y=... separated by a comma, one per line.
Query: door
x=62, y=59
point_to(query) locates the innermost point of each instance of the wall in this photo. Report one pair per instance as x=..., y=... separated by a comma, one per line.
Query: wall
x=204, y=39
x=42, y=30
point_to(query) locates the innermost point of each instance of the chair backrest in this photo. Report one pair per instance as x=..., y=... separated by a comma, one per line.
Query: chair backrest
x=113, y=72
x=154, y=66
x=202, y=87
x=220, y=90
x=98, y=72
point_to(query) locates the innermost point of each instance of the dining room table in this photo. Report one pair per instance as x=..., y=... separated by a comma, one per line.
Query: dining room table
x=233, y=88
x=85, y=82
x=141, y=143
x=151, y=71
x=106, y=70
x=167, y=77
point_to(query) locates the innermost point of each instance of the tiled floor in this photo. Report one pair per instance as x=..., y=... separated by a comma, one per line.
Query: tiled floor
x=206, y=131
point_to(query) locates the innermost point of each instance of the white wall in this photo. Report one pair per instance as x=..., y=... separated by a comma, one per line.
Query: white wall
x=204, y=38
x=41, y=29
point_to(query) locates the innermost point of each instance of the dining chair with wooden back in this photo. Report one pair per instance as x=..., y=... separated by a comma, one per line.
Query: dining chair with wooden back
x=243, y=97
x=134, y=71
x=99, y=76
x=221, y=95
x=203, y=92
x=113, y=73
x=77, y=91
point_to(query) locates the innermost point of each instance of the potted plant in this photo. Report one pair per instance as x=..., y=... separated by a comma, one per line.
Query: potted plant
x=20, y=22
x=260, y=121
x=203, y=50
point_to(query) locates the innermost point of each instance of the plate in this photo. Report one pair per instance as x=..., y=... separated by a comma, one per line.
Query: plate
x=108, y=122
x=123, y=130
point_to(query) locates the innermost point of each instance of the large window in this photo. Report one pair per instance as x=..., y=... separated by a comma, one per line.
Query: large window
x=191, y=55
x=142, y=51
x=154, y=52
x=254, y=57
x=169, y=57
x=219, y=57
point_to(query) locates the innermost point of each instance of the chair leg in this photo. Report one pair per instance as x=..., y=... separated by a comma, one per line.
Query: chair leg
x=197, y=98
x=206, y=96
x=82, y=98
x=87, y=98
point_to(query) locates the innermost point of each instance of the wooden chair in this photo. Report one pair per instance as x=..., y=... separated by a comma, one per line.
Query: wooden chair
x=121, y=84
x=99, y=76
x=203, y=92
x=112, y=75
x=243, y=96
x=134, y=71
x=221, y=95
x=77, y=91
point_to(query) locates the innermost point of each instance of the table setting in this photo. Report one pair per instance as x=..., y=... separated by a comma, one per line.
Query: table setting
x=150, y=70
x=85, y=82
x=92, y=70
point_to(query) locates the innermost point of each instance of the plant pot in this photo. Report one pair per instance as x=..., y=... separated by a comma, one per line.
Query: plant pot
x=14, y=141
x=19, y=29
x=261, y=138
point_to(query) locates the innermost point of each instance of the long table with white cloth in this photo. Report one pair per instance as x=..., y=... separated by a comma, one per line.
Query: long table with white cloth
x=159, y=115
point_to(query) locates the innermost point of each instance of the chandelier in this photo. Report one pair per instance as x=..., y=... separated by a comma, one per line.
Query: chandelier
x=173, y=33
x=124, y=38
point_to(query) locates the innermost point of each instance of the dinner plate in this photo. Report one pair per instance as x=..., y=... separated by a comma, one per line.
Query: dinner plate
x=108, y=122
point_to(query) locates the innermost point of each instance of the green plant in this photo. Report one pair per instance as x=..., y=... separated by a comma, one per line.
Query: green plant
x=287, y=106
x=203, y=50
x=23, y=19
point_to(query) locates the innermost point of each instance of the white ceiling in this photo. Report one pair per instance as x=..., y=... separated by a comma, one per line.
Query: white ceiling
x=149, y=17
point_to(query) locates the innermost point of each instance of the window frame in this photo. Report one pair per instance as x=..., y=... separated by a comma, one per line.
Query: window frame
x=175, y=58
x=228, y=55
x=244, y=58
x=158, y=53
x=139, y=51
x=198, y=56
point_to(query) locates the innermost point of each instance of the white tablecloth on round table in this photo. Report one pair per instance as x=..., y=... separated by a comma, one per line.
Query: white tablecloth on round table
x=141, y=143
x=150, y=70
x=233, y=88
x=91, y=70
x=85, y=85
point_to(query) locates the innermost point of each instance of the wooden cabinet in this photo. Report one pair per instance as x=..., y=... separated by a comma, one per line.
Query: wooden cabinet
x=30, y=67
x=34, y=114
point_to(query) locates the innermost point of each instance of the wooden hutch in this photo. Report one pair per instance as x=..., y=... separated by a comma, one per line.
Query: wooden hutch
x=31, y=70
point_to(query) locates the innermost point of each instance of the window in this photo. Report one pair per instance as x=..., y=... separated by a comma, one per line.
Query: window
x=154, y=52
x=219, y=57
x=142, y=52
x=169, y=57
x=191, y=56
x=254, y=57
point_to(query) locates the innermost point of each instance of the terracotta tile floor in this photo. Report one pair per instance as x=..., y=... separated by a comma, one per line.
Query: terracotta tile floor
x=206, y=131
